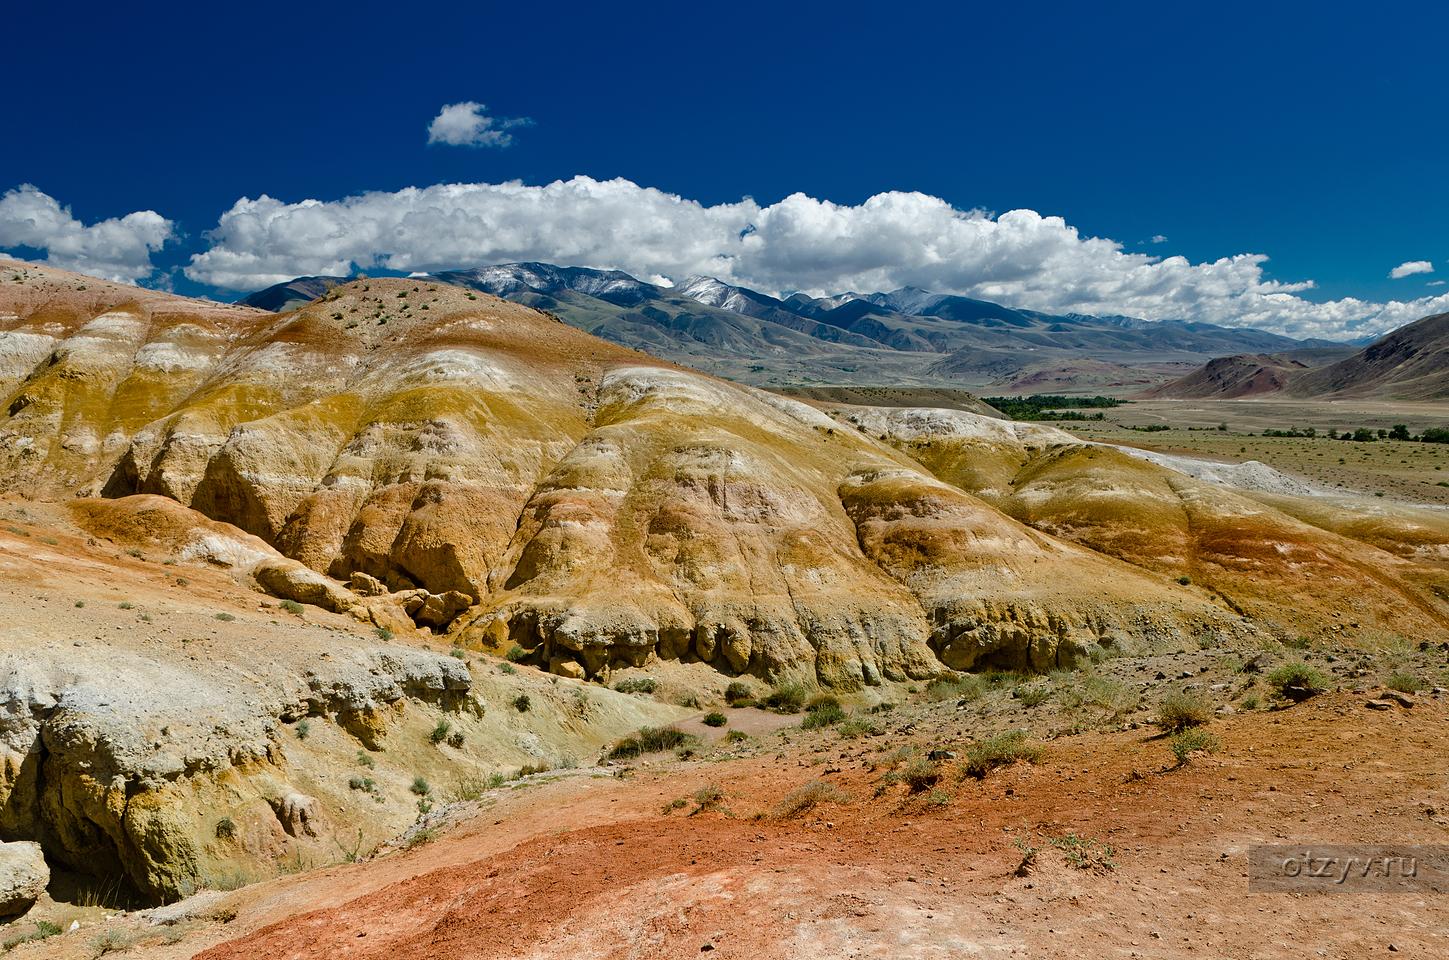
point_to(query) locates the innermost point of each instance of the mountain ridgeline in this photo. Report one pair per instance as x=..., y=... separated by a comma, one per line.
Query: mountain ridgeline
x=905, y=337
x=1410, y=363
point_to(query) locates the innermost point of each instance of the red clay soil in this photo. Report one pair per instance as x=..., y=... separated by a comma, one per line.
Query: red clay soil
x=595, y=869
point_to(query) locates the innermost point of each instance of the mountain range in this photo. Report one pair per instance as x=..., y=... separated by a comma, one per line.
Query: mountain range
x=1410, y=363
x=908, y=336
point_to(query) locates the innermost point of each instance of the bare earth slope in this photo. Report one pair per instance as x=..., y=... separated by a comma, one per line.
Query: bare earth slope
x=1411, y=363
x=1243, y=375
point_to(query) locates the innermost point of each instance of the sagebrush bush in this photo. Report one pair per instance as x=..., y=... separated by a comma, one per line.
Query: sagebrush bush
x=739, y=693
x=1001, y=750
x=1178, y=711
x=649, y=740
x=516, y=654
x=802, y=799
x=1031, y=696
x=292, y=606
x=637, y=685
x=1193, y=740
x=788, y=697
x=920, y=774
x=824, y=714
x=1404, y=683
x=1297, y=681
x=715, y=719
x=967, y=686
x=852, y=727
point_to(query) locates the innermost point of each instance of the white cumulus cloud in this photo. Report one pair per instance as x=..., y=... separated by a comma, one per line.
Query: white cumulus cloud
x=115, y=249
x=1410, y=267
x=1020, y=258
x=468, y=124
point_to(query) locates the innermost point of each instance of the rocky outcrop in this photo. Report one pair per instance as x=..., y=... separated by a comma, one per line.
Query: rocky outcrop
x=23, y=876
x=110, y=770
x=299, y=814
x=292, y=581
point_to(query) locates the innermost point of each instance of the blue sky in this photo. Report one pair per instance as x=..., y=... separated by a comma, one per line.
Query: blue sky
x=1312, y=136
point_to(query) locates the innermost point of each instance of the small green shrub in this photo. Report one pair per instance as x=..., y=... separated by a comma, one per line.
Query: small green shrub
x=637, y=685
x=43, y=929
x=707, y=798
x=1184, y=580
x=1405, y=683
x=363, y=760
x=1297, y=681
x=225, y=617
x=507, y=669
x=468, y=788
x=823, y=715
x=967, y=686
x=1001, y=750
x=715, y=719
x=303, y=728
x=736, y=736
x=788, y=697
x=739, y=694
x=225, y=828
x=1178, y=711
x=516, y=654
x=440, y=731
x=521, y=703
x=79, y=604
x=854, y=727
x=455, y=740
x=420, y=787
x=803, y=799
x=1028, y=856
x=126, y=605
x=649, y=740
x=383, y=634
x=1085, y=853
x=291, y=606
x=920, y=774
x=1032, y=696
x=822, y=701
x=1185, y=743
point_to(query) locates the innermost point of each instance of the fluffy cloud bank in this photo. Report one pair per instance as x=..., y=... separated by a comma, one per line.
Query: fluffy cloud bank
x=115, y=249
x=468, y=124
x=1409, y=268
x=893, y=239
